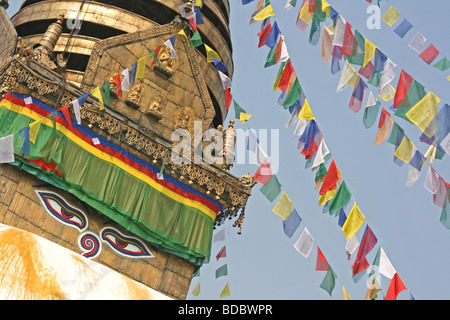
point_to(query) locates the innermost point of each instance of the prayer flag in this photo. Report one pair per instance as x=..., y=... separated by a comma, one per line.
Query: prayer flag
x=25, y=134
x=271, y=189
x=321, y=262
x=327, y=44
x=304, y=16
x=280, y=73
x=196, y=291
x=222, y=253
x=406, y=150
x=345, y=295
x=367, y=243
x=264, y=173
x=65, y=112
x=445, y=213
x=415, y=93
x=339, y=31
x=284, y=207
x=226, y=81
x=305, y=112
x=329, y=281
x=291, y=224
x=330, y=179
x=353, y=222
x=371, y=111
x=264, y=35
x=341, y=198
x=304, y=243
x=327, y=196
x=77, y=103
x=424, y=112
x=391, y=16
x=404, y=84
x=352, y=244
x=7, y=149
x=118, y=82
x=367, y=71
x=314, y=34
x=96, y=92
x=417, y=42
x=220, y=66
x=386, y=91
x=244, y=117
x=34, y=130
x=349, y=76
x=369, y=52
x=133, y=73
x=272, y=39
x=222, y=271
x=286, y=76
x=265, y=13
x=293, y=94
x=403, y=28
x=443, y=64
x=237, y=110
x=321, y=154
x=385, y=267
x=228, y=98
x=219, y=235
x=125, y=85
x=171, y=44
x=155, y=54
x=198, y=17
x=335, y=65
x=384, y=126
x=358, y=52
x=429, y=54
x=445, y=144
x=196, y=40
x=140, y=71
x=357, y=95
x=395, y=287
x=106, y=93
x=225, y=292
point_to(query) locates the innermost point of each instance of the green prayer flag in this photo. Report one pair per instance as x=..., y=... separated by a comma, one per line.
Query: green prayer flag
x=269, y=59
x=293, y=94
x=52, y=117
x=155, y=57
x=106, y=94
x=196, y=40
x=414, y=95
x=329, y=281
x=271, y=189
x=237, y=110
x=314, y=34
x=222, y=271
x=442, y=64
x=341, y=198
x=371, y=115
x=395, y=131
x=359, y=48
x=321, y=172
x=445, y=218
x=318, y=14
x=375, y=80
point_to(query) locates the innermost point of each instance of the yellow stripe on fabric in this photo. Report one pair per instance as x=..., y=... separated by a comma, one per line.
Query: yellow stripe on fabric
x=108, y=158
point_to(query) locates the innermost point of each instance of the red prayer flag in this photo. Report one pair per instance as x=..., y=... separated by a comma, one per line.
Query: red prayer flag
x=404, y=83
x=222, y=253
x=264, y=173
x=65, y=111
x=118, y=82
x=349, y=39
x=286, y=76
x=366, y=71
x=383, y=116
x=154, y=61
x=321, y=263
x=308, y=152
x=277, y=54
x=367, y=243
x=228, y=98
x=360, y=266
x=264, y=34
x=395, y=287
x=330, y=179
x=429, y=54
x=192, y=24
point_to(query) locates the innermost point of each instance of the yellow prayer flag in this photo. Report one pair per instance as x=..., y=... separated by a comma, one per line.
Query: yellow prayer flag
x=353, y=222
x=98, y=94
x=225, y=292
x=391, y=16
x=327, y=196
x=448, y=78
x=140, y=71
x=284, y=206
x=423, y=113
x=306, y=112
x=304, y=13
x=211, y=53
x=430, y=155
x=405, y=150
x=389, y=93
x=326, y=7
x=183, y=33
x=345, y=295
x=369, y=51
x=196, y=290
x=34, y=130
x=198, y=3
x=265, y=13
x=243, y=117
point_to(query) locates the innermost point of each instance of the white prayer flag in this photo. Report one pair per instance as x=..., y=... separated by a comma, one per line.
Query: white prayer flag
x=305, y=243
x=126, y=80
x=339, y=31
x=95, y=141
x=386, y=78
x=352, y=244
x=445, y=144
x=417, y=42
x=386, y=268
x=432, y=181
x=7, y=149
x=322, y=152
x=219, y=236
x=349, y=75
x=226, y=81
x=413, y=176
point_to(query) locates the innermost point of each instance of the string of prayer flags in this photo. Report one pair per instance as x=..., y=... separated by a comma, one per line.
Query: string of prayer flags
x=305, y=243
x=395, y=287
x=7, y=149
x=271, y=189
x=329, y=281
x=429, y=54
x=291, y=224
x=284, y=206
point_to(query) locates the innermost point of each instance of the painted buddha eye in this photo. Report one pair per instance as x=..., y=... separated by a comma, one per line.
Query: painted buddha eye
x=58, y=208
x=128, y=246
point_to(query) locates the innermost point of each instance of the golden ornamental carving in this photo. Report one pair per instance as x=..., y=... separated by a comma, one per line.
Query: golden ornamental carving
x=184, y=118
x=155, y=108
x=135, y=96
x=168, y=65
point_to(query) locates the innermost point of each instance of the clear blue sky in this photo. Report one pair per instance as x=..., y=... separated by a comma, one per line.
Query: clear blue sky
x=262, y=262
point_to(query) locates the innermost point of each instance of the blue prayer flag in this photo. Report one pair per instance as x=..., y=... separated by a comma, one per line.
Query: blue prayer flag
x=220, y=66
x=273, y=36
x=403, y=28
x=292, y=223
